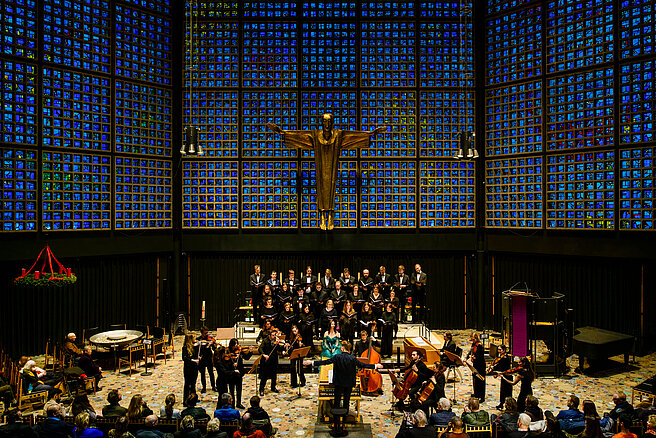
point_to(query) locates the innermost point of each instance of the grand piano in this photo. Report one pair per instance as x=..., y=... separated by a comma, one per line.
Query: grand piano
x=596, y=344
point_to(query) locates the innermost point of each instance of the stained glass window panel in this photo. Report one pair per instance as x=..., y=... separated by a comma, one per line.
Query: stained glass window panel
x=270, y=55
x=269, y=194
x=269, y=9
x=216, y=56
x=637, y=90
x=388, y=9
x=637, y=27
x=342, y=105
x=447, y=196
x=495, y=6
x=329, y=55
x=637, y=189
x=214, y=9
x=580, y=190
x=18, y=100
x=388, y=196
x=513, y=193
x=142, y=193
x=260, y=108
x=161, y=6
x=396, y=110
x=19, y=190
x=329, y=9
x=346, y=197
x=210, y=194
x=443, y=9
x=76, y=110
x=388, y=54
x=216, y=114
x=18, y=28
x=76, y=192
x=441, y=55
x=443, y=114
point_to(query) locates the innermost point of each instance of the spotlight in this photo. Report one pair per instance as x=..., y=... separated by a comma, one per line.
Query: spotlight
x=190, y=144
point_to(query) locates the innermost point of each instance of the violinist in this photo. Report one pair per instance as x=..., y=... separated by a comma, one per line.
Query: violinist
x=348, y=322
x=476, y=356
x=420, y=369
x=220, y=353
x=499, y=365
x=296, y=341
x=264, y=332
x=307, y=322
x=207, y=346
x=286, y=319
x=524, y=375
x=190, y=370
x=269, y=349
x=363, y=344
x=238, y=355
x=388, y=321
x=431, y=391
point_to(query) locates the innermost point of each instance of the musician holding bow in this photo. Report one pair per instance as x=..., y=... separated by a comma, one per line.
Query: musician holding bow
x=432, y=390
x=498, y=366
x=269, y=349
x=206, y=349
x=296, y=341
x=419, y=368
x=476, y=357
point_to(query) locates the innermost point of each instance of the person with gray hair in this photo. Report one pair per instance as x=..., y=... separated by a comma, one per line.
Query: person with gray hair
x=53, y=426
x=188, y=428
x=523, y=423
x=150, y=428
x=443, y=414
x=213, y=429
x=224, y=410
x=416, y=426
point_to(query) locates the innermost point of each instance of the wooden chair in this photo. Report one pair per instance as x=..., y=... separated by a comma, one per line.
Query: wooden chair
x=30, y=401
x=50, y=359
x=230, y=427
x=158, y=336
x=484, y=431
x=117, y=327
x=134, y=353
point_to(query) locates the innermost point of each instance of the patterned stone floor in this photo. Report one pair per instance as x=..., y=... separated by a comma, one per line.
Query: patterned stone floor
x=297, y=418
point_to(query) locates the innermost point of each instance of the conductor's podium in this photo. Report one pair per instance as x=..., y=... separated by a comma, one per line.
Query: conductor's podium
x=327, y=394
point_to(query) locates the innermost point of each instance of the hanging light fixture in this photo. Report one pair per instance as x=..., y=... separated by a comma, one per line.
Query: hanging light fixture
x=190, y=145
x=466, y=143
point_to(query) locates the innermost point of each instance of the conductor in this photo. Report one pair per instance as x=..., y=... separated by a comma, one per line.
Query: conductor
x=344, y=371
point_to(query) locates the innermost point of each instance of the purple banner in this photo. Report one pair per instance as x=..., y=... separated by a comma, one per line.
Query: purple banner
x=519, y=326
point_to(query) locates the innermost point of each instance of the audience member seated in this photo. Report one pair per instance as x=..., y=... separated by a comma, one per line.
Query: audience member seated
x=592, y=428
x=168, y=411
x=415, y=426
x=552, y=429
x=523, y=423
x=260, y=417
x=150, y=428
x=214, y=429
x=137, y=409
x=571, y=419
x=443, y=414
x=120, y=429
x=651, y=425
x=197, y=414
x=31, y=382
x=89, y=366
x=474, y=415
x=6, y=393
x=625, y=421
x=644, y=410
x=54, y=426
x=621, y=406
x=533, y=409
x=455, y=429
x=82, y=404
x=247, y=429
x=15, y=428
x=188, y=428
x=70, y=348
x=224, y=410
x=509, y=417
x=82, y=429
x=113, y=409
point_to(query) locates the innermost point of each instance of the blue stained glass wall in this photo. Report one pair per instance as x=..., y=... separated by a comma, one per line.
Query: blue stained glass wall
x=77, y=33
x=447, y=194
x=580, y=190
x=442, y=116
x=18, y=28
x=76, y=191
x=329, y=55
x=216, y=63
x=161, y=6
x=268, y=9
x=19, y=182
x=388, y=9
x=76, y=110
x=637, y=106
x=496, y=6
x=637, y=188
x=269, y=194
x=143, y=119
x=214, y=9
x=329, y=9
x=142, y=197
x=580, y=110
x=143, y=45
x=396, y=110
x=441, y=56
x=514, y=119
x=637, y=27
x=18, y=100
x=210, y=194
x=520, y=31
x=514, y=193
x=388, y=194
x=260, y=108
x=342, y=105
x=346, y=198
x=388, y=54
x=442, y=9
x=579, y=33
x=270, y=55
x=216, y=114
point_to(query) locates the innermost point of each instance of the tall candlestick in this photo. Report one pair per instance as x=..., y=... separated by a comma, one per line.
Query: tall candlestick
x=202, y=311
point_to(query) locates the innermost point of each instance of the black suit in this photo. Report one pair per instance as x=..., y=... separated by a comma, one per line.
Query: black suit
x=308, y=282
x=344, y=370
x=17, y=430
x=298, y=302
x=269, y=368
x=53, y=428
x=292, y=283
x=347, y=283
x=402, y=292
x=366, y=286
x=418, y=296
x=384, y=283
x=328, y=283
x=257, y=285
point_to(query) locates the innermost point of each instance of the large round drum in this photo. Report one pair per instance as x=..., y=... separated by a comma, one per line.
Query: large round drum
x=116, y=337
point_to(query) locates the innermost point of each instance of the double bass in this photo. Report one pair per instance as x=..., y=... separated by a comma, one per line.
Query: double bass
x=370, y=380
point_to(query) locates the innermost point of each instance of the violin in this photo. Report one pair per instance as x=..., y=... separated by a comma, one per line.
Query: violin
x=494, y=363
x=507, y=372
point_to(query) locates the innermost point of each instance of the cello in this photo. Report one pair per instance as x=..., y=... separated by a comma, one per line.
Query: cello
x=370, y=380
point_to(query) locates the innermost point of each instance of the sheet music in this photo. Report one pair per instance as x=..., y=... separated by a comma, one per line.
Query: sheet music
x=330, y=376
x=420, y=342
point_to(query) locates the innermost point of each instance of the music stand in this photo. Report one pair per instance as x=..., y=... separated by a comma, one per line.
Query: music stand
x=298, y=353
x=253, y=370
x=457, y=362
x=395, y=383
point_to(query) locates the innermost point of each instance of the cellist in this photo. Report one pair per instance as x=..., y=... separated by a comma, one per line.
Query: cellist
x=432, y=390
x=422, y=371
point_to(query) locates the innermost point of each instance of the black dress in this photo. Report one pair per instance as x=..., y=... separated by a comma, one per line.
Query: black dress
x=285, y=321
x=525, y=389
x=268, y=314
x=324, y=319
x=505, y=390
x=367, y=320
x=389, y=322
x=478, y=361
x=306, y=326
x=347, y=325
x=190, y=371
x=269, y=368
